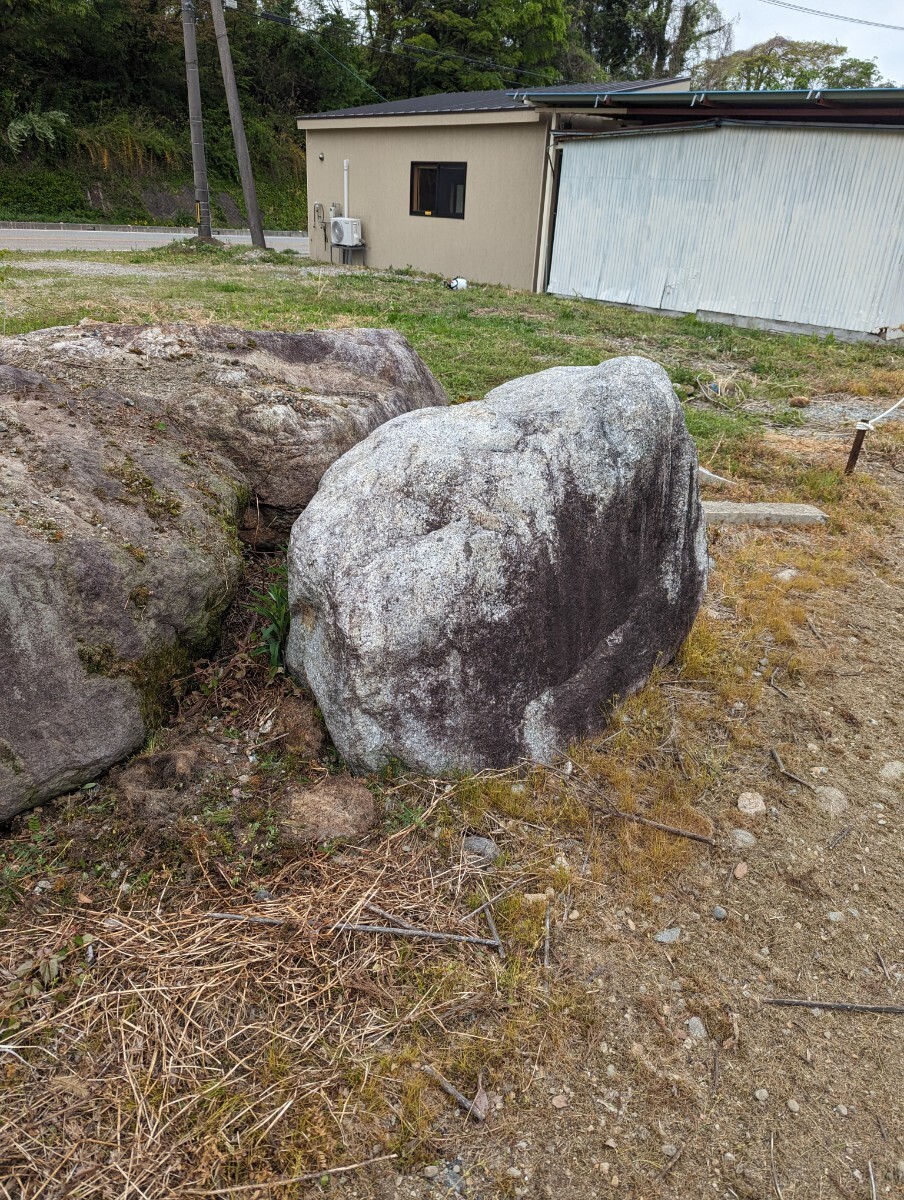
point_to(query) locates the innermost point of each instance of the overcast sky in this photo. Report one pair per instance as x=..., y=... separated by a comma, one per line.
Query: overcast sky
x=759, y=21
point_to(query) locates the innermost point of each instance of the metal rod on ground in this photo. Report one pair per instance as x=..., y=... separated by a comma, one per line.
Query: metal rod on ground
x=249, y=191
x=863, y=428
x=196, y=123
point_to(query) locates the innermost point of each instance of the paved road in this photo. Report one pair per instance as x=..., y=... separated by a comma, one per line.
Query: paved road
x=83, y=239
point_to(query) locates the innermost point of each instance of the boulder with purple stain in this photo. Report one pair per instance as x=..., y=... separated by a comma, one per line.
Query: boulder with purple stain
x=476, y=585
x=131, y=460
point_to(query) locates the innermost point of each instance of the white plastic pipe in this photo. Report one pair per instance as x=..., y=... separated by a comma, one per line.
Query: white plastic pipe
x=345, y=188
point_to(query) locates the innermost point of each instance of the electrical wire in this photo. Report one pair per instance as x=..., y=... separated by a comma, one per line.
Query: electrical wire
x=481, y=62
x=818, y=12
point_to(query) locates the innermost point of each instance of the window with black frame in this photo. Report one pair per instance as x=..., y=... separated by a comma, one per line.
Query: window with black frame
x=438, y=189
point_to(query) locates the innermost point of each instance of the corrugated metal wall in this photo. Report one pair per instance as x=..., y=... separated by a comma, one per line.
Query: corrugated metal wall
x=799, y=225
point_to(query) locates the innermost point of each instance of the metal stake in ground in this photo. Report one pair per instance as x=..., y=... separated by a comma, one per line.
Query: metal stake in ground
x=249, y=191
x=196, y=123
x=863, y=428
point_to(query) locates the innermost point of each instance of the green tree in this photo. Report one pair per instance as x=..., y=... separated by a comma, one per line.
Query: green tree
x=417, y=47
x=646, y=39
x=785, y=65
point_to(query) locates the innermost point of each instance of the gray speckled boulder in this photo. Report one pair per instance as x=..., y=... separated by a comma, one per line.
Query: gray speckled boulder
x=281, y=407
x=474, y=585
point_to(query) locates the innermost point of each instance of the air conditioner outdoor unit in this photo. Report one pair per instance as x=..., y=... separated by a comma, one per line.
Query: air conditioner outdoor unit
x=345, y=231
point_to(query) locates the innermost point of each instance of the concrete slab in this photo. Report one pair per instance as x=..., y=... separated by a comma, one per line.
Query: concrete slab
x=731, y=512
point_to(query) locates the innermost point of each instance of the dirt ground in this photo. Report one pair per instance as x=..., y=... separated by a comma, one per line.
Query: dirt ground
x=153, y=1051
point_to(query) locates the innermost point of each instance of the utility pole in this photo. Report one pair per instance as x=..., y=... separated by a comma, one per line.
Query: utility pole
x=196, y=122
x=238, y=129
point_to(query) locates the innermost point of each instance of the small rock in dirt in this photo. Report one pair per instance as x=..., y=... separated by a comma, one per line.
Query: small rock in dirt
x=742, y=840
x=786, y=575
x=431, y=1172
x=262, y=894
x=835, y=916
x=832, y=801
x=560, y=1101
x=667, y=936
x=793, y=1106
x=752, y=803
x=719, y=913
x=899, y=1171
x=669, y=1150
x=761, y=1094
x=696, y=1029
x=841, y=1110
x=892, y=772
x=482, y=848
x=513, y=1173
x=741, y=870
x=340, y=807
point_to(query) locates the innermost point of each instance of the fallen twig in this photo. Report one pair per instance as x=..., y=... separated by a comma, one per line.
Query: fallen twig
x=872, y=1181
x=609, y=810
x=773, y=684
x=668, y=1166
x=885, y=970
x=788, y=774
x=427, y=934
x=462, y=1101
x=272, y=1183
x=839, y=837
x=816, y=632
x=245, y=917
x=547, y=934
x=778, y=1190
x=491, y=921
x=381, y=912
x=838, y=1005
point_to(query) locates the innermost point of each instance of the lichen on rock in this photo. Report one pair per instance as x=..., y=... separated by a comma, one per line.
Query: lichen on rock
x=475, y=585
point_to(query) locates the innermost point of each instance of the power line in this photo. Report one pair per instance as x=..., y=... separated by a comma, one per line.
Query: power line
x=817, y=12
x=344, y=66
x=503, y=71
x=481, y=62
x=268, y=16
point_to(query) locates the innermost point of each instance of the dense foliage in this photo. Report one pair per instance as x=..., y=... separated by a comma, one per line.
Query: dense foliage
x=784, y=65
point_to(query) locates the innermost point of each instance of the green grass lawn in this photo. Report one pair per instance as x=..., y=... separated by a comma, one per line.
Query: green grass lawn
x=472, y=340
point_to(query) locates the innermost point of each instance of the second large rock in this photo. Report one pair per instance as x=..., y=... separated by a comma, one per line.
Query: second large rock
x=475, y=585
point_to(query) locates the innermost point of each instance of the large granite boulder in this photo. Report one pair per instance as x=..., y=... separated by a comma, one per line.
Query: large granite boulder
x=475, y=585
x=129, y=458
x=281, y=407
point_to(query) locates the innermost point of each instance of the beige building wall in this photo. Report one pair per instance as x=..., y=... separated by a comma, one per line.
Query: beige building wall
x=496, y=242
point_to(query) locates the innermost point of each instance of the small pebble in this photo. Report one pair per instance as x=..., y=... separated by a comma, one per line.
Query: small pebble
x=696, y=1029
x=431, y=1172
x=513, y=1173
x=761, y=1094
x=752, y=803
x=742, y=840
x=669, y=1150
x=793, y=1106
x=892, y=772
x=835, y=916
x=719, y=913
x=841, y=1110
x=667, y=936
x=741, y=870
x=787, y=574
x=482, y=848
x=560, y=1101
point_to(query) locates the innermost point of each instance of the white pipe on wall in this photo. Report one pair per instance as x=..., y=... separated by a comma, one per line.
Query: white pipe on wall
x=345, y=187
